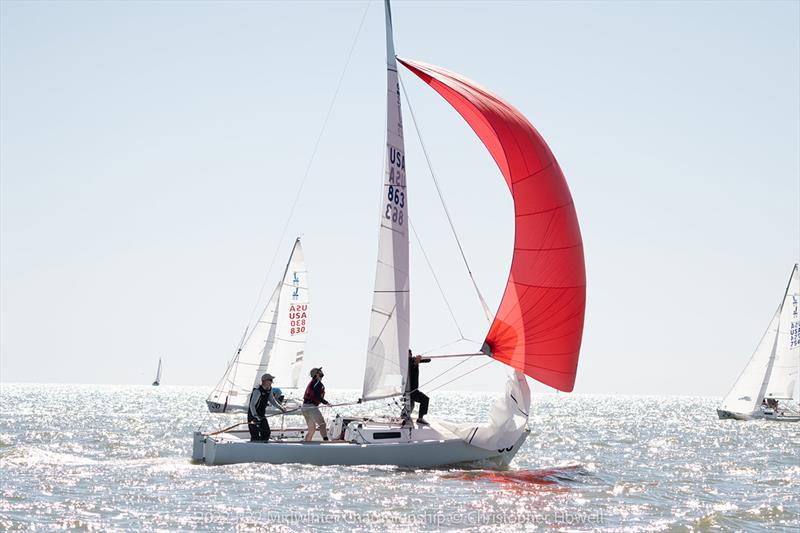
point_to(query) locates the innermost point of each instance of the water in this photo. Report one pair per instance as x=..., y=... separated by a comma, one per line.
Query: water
x=110, y=458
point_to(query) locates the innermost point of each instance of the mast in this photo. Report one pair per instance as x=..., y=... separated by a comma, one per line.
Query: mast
x=387, y=348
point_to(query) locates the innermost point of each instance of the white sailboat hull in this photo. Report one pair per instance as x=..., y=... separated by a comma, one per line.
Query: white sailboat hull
x=728, y=415
x=422, y=452
x=780, y=416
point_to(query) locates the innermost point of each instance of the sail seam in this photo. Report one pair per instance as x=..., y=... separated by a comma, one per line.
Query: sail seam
x=547, y=249
x=533, y=213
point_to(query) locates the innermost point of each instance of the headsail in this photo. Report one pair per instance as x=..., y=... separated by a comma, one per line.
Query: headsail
x=746, y=394
x=783, y=375
x=387, y=359
x=275, y=344
x=539, y=324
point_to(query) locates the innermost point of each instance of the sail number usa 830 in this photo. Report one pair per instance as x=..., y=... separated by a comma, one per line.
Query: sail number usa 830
x=396, y=187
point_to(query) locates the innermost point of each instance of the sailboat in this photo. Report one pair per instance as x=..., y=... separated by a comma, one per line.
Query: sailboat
x=767, y=385
x=157, y=381
x=536, y=331
x=275, y=344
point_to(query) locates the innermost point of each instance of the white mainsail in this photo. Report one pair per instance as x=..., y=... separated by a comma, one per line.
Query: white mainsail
x=785, y=367
x=387, y=352
x=275, y=344
x=284, y=351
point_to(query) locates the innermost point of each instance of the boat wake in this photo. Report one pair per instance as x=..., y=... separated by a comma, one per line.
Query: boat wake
x=562, y=475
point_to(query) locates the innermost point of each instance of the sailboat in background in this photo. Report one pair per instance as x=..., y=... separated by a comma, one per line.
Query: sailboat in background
x=157, y=381
x=275, y=344
x=768, y=383
x=536, y=331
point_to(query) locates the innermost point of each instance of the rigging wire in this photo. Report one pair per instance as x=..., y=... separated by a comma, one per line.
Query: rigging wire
x=436, y=279
x=426, y=352
x=444, y=205
x=311, y=161
x=445, y=371
x=490, y=361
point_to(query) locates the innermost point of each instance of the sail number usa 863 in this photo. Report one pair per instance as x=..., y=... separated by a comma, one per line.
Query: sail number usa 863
x=396, y=188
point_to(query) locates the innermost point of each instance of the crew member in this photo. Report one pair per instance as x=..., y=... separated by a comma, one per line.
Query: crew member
x=256, y=413
x=315, y=395
x=414, y=395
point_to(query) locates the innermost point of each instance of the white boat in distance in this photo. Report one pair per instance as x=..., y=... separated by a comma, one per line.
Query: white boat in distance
x=157, y=381
x=767, y=386
x=536, y=331
x=276, y=343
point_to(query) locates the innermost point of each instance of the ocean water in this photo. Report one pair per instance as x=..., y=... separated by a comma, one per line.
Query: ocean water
x=118, y=458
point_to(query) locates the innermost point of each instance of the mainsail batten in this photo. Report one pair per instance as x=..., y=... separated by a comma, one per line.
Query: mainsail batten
x=539, y=324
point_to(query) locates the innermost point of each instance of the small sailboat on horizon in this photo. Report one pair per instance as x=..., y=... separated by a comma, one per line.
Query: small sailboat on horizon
x=767, y=386
x=157, y=381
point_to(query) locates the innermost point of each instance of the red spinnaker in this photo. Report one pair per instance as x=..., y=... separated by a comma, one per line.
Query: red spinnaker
x=539, y=324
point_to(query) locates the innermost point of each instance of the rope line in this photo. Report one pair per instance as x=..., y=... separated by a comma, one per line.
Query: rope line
x=436, y=279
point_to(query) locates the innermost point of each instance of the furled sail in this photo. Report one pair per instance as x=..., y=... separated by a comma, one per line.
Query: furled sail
x=275, y=344
x=539, y=324
x=783, y=375
x=387, y=351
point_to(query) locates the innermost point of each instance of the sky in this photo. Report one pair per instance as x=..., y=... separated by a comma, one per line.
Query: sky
x=151, y=153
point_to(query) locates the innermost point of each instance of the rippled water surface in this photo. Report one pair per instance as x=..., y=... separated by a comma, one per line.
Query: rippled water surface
x=104, y=458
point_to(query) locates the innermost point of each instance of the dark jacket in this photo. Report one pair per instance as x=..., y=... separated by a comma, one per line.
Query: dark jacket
x=413, y=373
x=259, y=399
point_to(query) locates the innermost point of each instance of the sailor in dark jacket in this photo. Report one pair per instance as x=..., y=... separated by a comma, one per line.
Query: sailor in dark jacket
x=259, y=398
x=412, y=388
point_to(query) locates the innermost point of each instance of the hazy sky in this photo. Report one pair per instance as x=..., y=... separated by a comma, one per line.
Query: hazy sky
x=150, y=153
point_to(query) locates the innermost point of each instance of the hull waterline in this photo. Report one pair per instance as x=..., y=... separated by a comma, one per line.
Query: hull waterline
x=422, y=453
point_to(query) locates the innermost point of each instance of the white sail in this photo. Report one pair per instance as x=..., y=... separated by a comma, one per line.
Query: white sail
x=275, y=344
x=508, y=419
x=284, y=352
x=747, y=392
x=158, y=374
x=785, y=367
x=387, y=350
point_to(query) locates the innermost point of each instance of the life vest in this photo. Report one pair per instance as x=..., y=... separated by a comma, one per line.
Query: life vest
x=311, y=396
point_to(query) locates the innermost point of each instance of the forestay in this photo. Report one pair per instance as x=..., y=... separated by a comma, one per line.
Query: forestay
x=387, y=359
